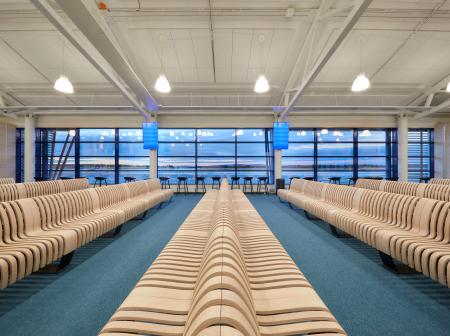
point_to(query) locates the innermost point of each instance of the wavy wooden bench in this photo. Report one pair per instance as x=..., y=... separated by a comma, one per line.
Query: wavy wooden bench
x=414, y=230
x=223, y=273
x=7, y=180
x=34, y=232
x=15, y=191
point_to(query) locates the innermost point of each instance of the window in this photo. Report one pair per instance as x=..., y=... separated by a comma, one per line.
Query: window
x=347, y=153
x=420, y=154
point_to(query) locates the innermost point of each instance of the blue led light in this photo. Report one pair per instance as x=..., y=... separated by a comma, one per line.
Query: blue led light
x=150, y=133
x=280, y=135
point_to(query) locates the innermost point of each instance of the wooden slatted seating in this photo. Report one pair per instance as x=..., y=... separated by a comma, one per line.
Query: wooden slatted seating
x=414, y=230
x=34, y=232
x=434, y=191
x=7, y=180
x=444, y=181
x=223, y=273
x=15, y=191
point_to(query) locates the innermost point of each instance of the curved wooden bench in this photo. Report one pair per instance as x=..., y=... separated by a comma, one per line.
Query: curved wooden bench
x=223, y=273
x=439, y=192
x=7, y=180
x=34, y=232
x=15, y=191
x=444, y=181
x=414, y=230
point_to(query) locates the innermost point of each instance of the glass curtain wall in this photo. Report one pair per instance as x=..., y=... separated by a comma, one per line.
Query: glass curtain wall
x=345, y=153
x=420, y=154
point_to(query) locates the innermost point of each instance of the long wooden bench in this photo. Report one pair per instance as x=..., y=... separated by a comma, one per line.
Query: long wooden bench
x=413, y=230
x=15, y=191
x=7, y=180
x=439, y=192
x=34, y=232
x=223, y=273
x=444, y=181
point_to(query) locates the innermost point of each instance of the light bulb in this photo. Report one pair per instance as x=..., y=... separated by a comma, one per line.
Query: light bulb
x=63, y=84
x=162, y=84
x=365, y=133
x=72, y=133
x=302, y=133
x=324, y=131
x=262, y=85
x=360, y=83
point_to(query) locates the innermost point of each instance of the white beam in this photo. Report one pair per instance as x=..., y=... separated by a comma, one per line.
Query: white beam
x=402, y=128
x=432, y=88
x=91, y=54
x=88, y=18
x=336, y=11
x=29, y=148
x=349, y=23
x=433, y=110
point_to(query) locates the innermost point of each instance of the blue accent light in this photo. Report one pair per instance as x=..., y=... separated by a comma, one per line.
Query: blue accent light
x=280, y=135
x=150, y=132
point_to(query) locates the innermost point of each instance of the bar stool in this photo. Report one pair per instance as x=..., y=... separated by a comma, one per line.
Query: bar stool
x=309, y=178
x=129, y=179
x=214, y=180
x=335, y=180
x=182, y=184
x=290, y=180
x=262, y=181
x=248, y=179
x=200, y=180
x=165, y=182
x=66, y=178
x=100, y=180
x=424, y=179
x=352, y=180
x=235, y=180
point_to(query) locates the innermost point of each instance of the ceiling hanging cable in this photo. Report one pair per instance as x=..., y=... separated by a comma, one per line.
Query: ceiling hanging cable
x=162, y=84
x=361, y=82
x=63, y=84
x=211, y=31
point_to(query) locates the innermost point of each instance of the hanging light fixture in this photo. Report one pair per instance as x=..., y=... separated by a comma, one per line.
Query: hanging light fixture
x=324, y=131
x=361, y=82
x=448, y=87
x=63, y=84
x=262, y=84
x=162, y=84
x=365, y=133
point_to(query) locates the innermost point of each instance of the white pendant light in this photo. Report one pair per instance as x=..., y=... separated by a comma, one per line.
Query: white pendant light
x=162, y=84
x=324, y=131
x=63, y=84
x=361, y=83
x=262, y=84
x=365, y=133
x=448, y=87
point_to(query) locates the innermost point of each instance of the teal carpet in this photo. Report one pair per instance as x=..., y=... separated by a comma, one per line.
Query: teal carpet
x=365, y=298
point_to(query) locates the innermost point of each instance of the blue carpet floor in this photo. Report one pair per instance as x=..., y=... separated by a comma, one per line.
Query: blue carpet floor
x=366, y=298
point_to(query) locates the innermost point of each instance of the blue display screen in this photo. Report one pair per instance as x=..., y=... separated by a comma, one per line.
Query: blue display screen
x=150, y=134
x=280, y=135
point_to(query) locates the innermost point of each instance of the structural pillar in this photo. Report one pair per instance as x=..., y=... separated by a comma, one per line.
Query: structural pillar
x=278, y=156
x=29, y=148
x=402, y=132
x=153, y=163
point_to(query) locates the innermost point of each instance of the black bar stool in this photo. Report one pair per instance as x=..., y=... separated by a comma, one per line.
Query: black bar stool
x=290, y=180
x=200, y=180
x=165, y=182
x=424, y=179
x=352, y=180
x=66, y=178
x=262, y=182
x=100, y=180
x=248, y=182
x=182, y=184
x=309, y=178
x=235, y=180
x=129, y=179
x=335, y=180
x=214, y=180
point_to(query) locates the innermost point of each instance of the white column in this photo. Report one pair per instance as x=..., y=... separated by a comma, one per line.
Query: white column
x=402, y=127
x=153, y=163
x=278, y=163
x=29, y=148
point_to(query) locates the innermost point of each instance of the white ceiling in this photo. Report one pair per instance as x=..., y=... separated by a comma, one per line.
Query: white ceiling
x=405, y=49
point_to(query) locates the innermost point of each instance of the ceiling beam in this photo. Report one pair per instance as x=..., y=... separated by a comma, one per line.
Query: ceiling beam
x=433, y=110
x=90, y=53
x=356, y=12
x=431, y=88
